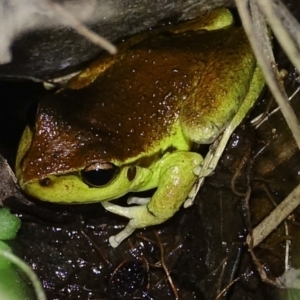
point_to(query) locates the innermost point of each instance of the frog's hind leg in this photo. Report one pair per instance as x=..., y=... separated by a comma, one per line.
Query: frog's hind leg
x=212, y=158
x=223, y=84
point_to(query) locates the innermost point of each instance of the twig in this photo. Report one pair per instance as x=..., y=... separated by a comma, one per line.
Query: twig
x=162, y=259
x=258, y=35
x=277, y=216
x=76, y=24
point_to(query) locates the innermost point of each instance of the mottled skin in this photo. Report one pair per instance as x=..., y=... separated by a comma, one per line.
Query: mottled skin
x=141, y=110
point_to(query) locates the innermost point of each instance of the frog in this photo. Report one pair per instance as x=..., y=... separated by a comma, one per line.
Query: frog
x=129, y=123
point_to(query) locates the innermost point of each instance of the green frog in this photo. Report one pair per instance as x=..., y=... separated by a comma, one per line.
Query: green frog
x=128, y=122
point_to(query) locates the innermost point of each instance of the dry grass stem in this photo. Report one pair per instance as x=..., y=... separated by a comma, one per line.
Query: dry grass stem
x=277, y=216
x=256, y=29
x=77, y=25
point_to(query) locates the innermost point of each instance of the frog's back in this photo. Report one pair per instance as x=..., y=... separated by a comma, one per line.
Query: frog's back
x=131, y=109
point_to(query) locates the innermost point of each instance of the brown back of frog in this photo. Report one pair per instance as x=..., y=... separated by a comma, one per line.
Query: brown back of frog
x=130, y=107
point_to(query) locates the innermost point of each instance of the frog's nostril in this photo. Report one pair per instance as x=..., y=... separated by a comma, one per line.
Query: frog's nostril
x=45, y=182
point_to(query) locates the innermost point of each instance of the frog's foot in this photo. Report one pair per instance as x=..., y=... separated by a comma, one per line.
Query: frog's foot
x=138, y=200
x=202, y=171
x=116, y=240
x=139, y=217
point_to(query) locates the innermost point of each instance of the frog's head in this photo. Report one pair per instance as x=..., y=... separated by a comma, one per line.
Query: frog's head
x=59, y=162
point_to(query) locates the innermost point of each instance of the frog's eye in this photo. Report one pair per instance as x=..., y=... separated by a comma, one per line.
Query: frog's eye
x=99, y=174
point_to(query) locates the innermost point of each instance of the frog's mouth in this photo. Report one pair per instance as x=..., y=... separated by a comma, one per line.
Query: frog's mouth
x=71, y=189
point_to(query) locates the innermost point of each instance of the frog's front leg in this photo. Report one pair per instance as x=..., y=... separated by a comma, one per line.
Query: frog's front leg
x=176, y=178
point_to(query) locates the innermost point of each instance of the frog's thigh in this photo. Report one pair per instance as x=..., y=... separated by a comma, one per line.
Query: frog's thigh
x=203, y=125
x=176, y=179
x=223, y=86
x=256, y=86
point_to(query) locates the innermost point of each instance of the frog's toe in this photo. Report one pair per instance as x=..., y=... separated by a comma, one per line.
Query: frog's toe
x=200, y=171
x=116, y=240
x=127, y=212
x=138, y=200
x=189, y=202
x=113, y=241
x=197, y=170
